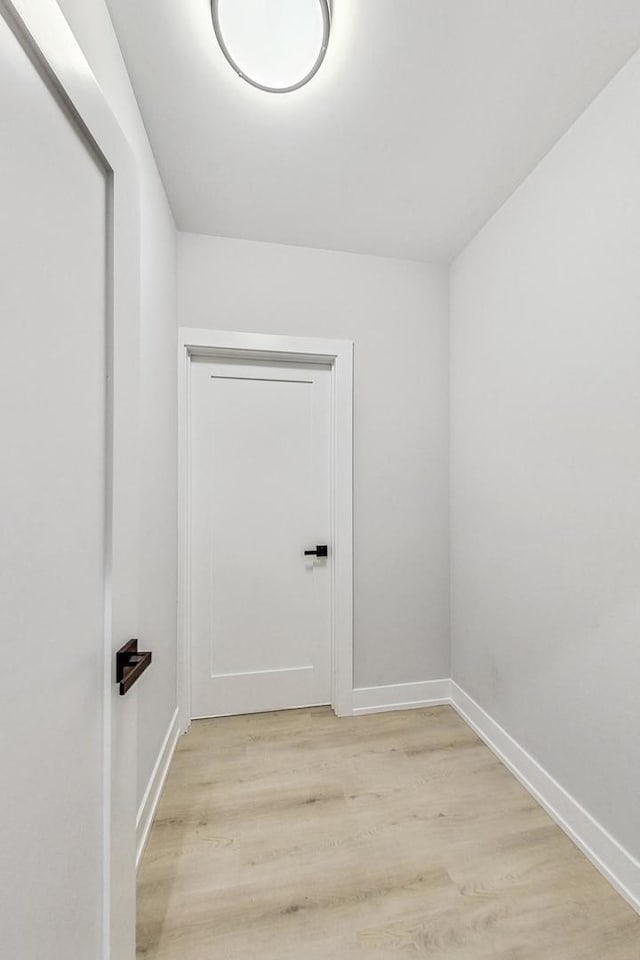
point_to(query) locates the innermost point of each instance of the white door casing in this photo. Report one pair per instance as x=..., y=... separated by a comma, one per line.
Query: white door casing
x=288, y=351
x=260, y=494
x=68, y=549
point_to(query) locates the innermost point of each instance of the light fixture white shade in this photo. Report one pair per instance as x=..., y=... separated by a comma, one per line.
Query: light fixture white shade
x=276, y=45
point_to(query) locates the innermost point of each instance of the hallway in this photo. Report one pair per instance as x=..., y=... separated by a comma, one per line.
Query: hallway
x=320, y=538
x=300, y=835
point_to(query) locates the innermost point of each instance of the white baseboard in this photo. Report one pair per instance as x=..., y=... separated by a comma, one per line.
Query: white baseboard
x=401, y=696
x=147, y=809
x=618, y=866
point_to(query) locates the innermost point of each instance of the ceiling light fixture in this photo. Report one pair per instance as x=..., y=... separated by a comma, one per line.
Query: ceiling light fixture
x=275, y=45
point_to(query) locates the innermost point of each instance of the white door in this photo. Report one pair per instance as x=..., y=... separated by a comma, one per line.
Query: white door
x=260, y=473
x=62, y=602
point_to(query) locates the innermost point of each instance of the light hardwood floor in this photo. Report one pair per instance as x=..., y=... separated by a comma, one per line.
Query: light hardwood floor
x=298, y=835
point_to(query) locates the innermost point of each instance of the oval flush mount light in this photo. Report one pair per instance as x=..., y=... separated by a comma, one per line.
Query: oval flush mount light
x=276, y=45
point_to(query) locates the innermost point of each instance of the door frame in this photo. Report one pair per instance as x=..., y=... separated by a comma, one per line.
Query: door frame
x=338, y=354
x=49, y=42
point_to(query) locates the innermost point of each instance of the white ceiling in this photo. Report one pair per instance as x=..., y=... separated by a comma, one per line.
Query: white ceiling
x=424, y=117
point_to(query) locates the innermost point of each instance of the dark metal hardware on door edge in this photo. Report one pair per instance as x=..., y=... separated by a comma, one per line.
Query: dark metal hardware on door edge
x=320, y=551
x=130, y=665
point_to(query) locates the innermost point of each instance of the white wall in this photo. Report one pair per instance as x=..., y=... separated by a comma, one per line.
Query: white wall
x=396, y=312
x=90, y=22
x=545, y=386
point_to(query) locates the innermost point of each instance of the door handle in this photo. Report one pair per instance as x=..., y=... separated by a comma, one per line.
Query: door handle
x=130, y=665
x=320, y=551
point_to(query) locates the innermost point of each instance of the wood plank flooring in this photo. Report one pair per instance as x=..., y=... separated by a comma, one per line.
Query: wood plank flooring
x=300, y=835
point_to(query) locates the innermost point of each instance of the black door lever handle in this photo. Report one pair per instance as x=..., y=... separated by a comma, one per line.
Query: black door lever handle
x=130, y=664
x=320, y=551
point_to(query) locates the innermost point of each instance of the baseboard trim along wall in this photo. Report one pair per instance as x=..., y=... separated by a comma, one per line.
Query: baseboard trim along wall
x=147, y=809
x=614, y=862
x=401, y=696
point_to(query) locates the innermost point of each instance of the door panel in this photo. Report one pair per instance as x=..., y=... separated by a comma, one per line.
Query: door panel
x=260, y=610
x=56, y=490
